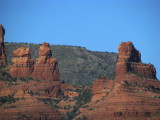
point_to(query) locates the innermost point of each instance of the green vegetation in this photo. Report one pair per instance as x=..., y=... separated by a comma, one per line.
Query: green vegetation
x=34, y=93
x=84, y=97
x=21, y=116
x=138, y=74
x=77, y=65
x=50, y=102
x=26, y=79
x=151, y=88
x=156, y=97
x=5, y=76
x=11, y=106
x=7, y=99
x=83, y=118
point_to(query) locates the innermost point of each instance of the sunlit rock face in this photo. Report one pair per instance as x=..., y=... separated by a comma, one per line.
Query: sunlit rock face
x=22, y=64
x=129, y=60
x=46, y=67
x=2, y=47
x=129, y=95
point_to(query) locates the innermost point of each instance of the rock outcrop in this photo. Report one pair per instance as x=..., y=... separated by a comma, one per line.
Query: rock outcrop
x=22, y=64
x=129, y=60
x=101, y=88
x=2, y=47
x=46, y=67
x=129, y=96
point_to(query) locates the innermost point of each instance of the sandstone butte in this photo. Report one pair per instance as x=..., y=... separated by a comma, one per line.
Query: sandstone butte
x=22, y=64
x=2, y=47
x=133, y=94
x=46, y=67
x=129, y=60
x=46, y=70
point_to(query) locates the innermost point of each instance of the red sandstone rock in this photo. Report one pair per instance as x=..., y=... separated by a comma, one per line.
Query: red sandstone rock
x=45, y=50
x=52, y=89
x=129, y=60
x=46, y=68
x=129, y=96
x=22, y=64
x=127, y=53
x=100, y=88
x=22, y=52
x=2, y=47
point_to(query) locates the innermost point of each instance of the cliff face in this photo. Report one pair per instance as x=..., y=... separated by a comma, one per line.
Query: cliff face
x=22, y=64
x=128, y=53
x=2, y=47
x=129, y=60
x=129, y=96
x=46, y=68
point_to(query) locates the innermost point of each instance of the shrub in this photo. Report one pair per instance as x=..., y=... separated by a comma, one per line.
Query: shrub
x=83, y=118
x=7, y=99
x=34, y=93
x=5, y=76
x=50, y=102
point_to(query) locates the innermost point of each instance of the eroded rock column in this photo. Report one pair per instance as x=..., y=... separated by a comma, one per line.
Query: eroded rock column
x=22, y=64
x=2, y=47
x=129, y=60
x=46, y=67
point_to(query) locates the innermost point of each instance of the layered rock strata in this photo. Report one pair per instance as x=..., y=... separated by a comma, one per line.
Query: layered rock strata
x=22, y=64
x=2, y=47
x=129, y=60
x=46, y=67
x=129, y=96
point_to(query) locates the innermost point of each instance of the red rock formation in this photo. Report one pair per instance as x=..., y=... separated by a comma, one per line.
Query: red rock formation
x=127, y=53
x=22, y=64
x=46, y=68
x=129, y=60
x=129, y=96
x=101, y=88
x=2, y=47
x=133, y=98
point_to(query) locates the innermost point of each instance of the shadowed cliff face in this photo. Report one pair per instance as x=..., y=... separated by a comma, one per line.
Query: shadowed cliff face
x=2, y=47
x=129, y=60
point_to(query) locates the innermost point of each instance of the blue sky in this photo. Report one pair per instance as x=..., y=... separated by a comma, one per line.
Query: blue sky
x=98, y=25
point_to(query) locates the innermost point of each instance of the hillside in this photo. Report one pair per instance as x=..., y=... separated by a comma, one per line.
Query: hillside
x=77, y=65
x=134, y=93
